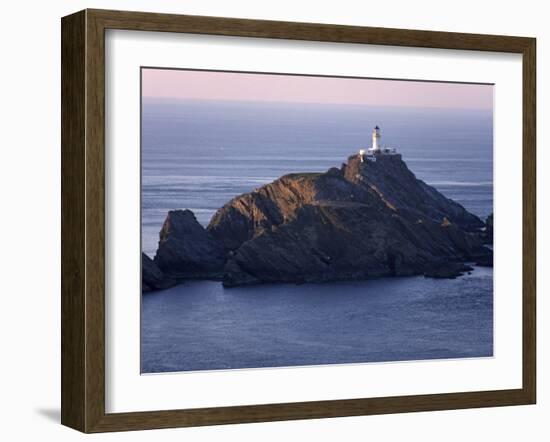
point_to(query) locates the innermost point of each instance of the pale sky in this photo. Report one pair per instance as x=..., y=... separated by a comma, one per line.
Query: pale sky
x=183, y=84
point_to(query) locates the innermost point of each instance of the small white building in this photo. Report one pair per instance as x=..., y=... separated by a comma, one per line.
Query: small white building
x=376, y=149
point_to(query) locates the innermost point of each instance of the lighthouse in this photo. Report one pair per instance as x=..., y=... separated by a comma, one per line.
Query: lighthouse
x=376, y=139
x=376, y=150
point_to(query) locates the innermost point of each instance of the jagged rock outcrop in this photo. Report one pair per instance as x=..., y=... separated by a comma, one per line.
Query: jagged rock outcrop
x=350, y=223
x=366, y=219
x=186, y=250
x=152, y=278
x=398, y=186
x=448, y=271
x=277, y=203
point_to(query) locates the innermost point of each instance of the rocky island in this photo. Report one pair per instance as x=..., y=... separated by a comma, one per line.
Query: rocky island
x=369, y=218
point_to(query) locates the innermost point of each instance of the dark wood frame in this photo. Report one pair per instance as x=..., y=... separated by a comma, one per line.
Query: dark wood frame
x=83, y=217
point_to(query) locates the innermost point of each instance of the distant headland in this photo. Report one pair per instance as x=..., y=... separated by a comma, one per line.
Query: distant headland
x=369, y=218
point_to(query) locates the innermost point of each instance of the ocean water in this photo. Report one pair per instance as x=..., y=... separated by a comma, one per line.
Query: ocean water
x=200, y=154
x=199, y=326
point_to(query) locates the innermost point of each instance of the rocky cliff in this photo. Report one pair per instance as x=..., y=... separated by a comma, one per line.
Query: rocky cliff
x=366, y=219
x=397, y=185
x=186, y=250
x=152, y=278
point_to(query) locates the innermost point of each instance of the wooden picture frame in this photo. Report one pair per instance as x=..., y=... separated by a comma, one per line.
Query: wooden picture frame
x=83, y=220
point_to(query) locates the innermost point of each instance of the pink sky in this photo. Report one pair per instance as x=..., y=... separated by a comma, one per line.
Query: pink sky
x=308, y=89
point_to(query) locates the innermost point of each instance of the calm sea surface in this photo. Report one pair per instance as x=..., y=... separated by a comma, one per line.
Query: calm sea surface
x=198, y=155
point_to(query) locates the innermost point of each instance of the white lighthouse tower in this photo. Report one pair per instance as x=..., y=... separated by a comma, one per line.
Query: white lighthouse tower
x=376, y=139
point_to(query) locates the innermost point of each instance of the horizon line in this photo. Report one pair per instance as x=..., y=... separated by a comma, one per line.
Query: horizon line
x=318, y=103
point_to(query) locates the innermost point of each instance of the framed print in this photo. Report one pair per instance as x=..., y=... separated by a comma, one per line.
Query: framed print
x=270, y=220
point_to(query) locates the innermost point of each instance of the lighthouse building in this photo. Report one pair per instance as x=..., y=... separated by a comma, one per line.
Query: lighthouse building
x=376, y=139
x=377, y=149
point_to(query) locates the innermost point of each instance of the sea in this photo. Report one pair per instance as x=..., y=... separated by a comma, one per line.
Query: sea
x=198, y=154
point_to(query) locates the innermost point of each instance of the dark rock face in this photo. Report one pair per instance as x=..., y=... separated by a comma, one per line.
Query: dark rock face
x=251, y=214
x=448, y=271
x=397, y=185
x=328, y=242
x=187, y=250
x=152, y=277
x=366, y=219
x=485, y=261
x=488, y=234
x=357, y=222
